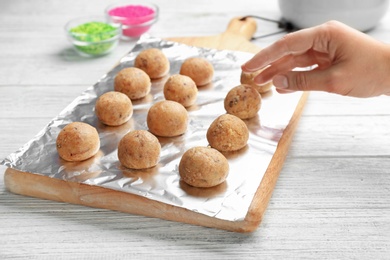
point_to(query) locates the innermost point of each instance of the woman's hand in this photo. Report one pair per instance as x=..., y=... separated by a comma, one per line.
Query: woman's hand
x=344, y=61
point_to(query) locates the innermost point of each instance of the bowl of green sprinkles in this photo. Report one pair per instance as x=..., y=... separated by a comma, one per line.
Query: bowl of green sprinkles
x=93, y=36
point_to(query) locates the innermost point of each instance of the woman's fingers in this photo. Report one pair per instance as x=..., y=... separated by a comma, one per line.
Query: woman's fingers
x=289, y=63
x=291, y=44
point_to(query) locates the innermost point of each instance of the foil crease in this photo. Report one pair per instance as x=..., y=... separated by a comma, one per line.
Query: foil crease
x=228, y=201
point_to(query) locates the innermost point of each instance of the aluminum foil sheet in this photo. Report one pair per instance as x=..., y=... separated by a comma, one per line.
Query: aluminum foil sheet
x=228, y=201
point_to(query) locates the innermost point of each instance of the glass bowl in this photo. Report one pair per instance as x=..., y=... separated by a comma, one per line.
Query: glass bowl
x=136, y=18
x=93, y=35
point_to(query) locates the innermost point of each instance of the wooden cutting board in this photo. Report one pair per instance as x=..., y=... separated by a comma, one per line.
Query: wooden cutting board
x=236, y=37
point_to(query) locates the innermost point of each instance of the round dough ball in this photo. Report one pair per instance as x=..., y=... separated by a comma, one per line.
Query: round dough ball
x=247, y=78
x=139, y=149
x=182, y=89
x=243, y=101
x=133, y=82
x=203, y=167
x=154, y=62
x=199, y=69
x=77, y=141
x=167, y=118
x=113, y=108
x=227, y=133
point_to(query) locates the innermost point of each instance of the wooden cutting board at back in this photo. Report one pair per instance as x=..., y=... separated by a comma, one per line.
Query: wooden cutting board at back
x=236, y=37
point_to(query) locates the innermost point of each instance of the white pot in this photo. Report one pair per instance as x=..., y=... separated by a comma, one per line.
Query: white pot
x=359, y=14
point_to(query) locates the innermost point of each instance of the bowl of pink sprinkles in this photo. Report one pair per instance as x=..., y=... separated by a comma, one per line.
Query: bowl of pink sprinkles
x=135, y=18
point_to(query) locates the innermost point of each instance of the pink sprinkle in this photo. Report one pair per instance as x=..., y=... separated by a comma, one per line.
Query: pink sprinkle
x=133, y=14
x=135, y=19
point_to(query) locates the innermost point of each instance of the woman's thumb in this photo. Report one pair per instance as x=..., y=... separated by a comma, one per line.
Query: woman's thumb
x=302, y=80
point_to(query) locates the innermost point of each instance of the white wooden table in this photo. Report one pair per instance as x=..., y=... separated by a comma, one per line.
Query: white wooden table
x=332, y=199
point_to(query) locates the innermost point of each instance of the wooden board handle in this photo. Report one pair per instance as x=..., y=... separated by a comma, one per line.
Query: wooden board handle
x=244, y=26
x=237, y=36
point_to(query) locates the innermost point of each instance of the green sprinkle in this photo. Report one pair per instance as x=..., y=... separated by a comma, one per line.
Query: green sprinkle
x=94, y=37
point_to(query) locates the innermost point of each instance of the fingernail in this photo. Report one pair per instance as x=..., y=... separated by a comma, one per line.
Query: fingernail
x=280, y=81
x=245, y=67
